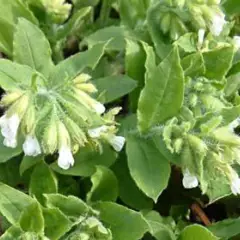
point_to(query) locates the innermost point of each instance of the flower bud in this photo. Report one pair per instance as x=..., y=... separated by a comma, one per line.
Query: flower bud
x=10, y=98
x=63, y=135
x=189, y=181
x=87, y=87
x=224, y=135
x=82, y=78
x=117, y=142
x=29, y=120
x=165, y=23
x=19, y=107
x=31, y=146
x=65, y=159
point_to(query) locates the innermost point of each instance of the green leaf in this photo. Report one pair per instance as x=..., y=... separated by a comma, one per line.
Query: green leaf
x=31, y=219
x=193, y=65
x=25, y=52
x=12, y=233
x=129, y=193
x=14, y=75
x=158, y=228
x=70, y=206
x=10, y=11
x=232, y=7
x=104, y=185
x=233, y=85
x=187, y=42
x=28, y=162
x=218, y=62
x=42, y=181
x=68, y=69
x=12, y=203
x=86, y=160
x=226, y=229
x=147, y=166
x=56, y=223
x=162, y=96
x=114, y=87
x=135, y=58
x=123, y=222
x=196, y=232
x=114, y=33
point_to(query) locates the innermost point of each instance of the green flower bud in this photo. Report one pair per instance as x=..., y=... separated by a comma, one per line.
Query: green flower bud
x=177, y=145
x=10, y=98
x=29, y=120
x=210, y=125
x=224, y=135
x=63, y=135
x=165, y=23
x=19, y=107
x=86, y=87
x=82, y=78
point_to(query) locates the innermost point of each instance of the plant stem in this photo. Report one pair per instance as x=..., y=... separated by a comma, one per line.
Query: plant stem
x=105, y=11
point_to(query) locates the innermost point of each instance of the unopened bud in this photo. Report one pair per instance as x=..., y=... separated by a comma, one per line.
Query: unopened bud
x=82, y=78
x=10, y=98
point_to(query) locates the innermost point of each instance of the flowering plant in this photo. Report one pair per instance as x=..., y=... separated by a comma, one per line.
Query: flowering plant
x=120, y=119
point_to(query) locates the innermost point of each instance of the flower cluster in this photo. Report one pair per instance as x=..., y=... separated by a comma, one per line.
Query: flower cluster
x=58, y=120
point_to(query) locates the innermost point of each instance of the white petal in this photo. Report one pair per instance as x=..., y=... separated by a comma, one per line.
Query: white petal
x=99, y=107
x=218, y=22
x=236, y=41
x=189, y=180
x=235, y=186
x=201, y=33
x=9, y=126
x=31, y=146
x=117, y=142
x=96, y=132
x=65, y=158
x=12, y=143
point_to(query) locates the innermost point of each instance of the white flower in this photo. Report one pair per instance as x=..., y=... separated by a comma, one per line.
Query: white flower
x=117, y=142
x=9, y=127
x=218, y=21
x=96, y=132
x=65, y=159
x=201, y=33
x=235, y=185
x=99, y=107
x=189, y=180
x=31, y=146
x=236, y=40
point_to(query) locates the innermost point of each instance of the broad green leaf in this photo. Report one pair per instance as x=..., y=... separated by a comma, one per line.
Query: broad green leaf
x=129, y=193
x=32, y=48
x=104, y=185
x=114, y=33
x=218, y=62
x=131, y=16
x=70, y=206
x=193, y=65
x=226, y=229
x=86, y=160
x=148, y=167
x=68, y=69
x=196, y=232
x=187, y=42
x=14, y=75
x=162, y=46
x=12, y=203
x=162, y=96
x=233, y=85
x=56, y=223
x=42, y=181
x=9, y=172
x=232, y=7
x=28, y=162
x=135, y=58
x=123, y=222
x=31, y=219
x=157, y=226
x=113, y=87
x=10, y=11
x=11, y=233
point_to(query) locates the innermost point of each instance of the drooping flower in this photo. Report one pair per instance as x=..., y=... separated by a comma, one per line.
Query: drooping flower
x=235, y=185
x=218, y=22
x=31, y=146
x=189, y=180
x=117, y=142
x=201, y=33
x=96, y=132
x=236, y=41
x=9, y=128
x=65, y=158
x=99, y=107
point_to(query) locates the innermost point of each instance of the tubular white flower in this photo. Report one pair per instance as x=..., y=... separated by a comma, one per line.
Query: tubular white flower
x=236, y=40
x=201, y=33
x=9, y=127
x=189, y=180
x=65, y=158
x=235, y=186
x=31, y=146
x=99, y=107
x=96, y=132
x=218, y=21
x=117, y=142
